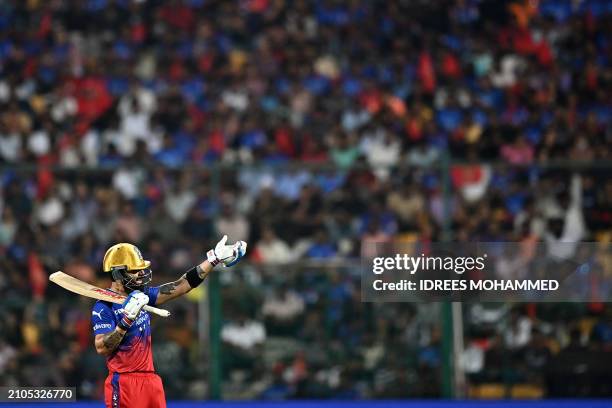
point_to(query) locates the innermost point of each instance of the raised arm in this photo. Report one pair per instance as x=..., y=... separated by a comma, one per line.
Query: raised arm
x=179, y=287
x=229, y=255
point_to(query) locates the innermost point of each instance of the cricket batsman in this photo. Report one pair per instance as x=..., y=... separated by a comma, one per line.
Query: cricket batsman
x=123, y=332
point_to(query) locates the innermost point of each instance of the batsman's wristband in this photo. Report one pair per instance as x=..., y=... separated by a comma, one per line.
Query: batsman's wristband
x=125, y=323
x=212, y=258
x=193, y=276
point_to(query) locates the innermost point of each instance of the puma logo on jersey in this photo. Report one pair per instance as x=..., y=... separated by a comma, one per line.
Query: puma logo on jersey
x=99, y=314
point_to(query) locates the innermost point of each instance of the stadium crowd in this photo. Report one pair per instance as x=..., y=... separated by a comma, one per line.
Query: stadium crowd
x=106, y=82
x=333, y=121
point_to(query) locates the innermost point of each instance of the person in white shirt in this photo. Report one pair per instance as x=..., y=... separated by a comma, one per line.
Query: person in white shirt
x=273, y=250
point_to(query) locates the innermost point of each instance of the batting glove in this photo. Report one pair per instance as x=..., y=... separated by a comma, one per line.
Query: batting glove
x=132, y=306
x=228, y=255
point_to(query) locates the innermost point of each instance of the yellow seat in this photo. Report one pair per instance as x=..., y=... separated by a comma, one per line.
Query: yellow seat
x=526, y=391
x=487, y=391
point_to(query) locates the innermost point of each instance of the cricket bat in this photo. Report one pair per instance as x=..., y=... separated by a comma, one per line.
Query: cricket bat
x=82, y=288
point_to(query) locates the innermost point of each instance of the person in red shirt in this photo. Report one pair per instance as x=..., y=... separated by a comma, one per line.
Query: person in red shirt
x=123, y=332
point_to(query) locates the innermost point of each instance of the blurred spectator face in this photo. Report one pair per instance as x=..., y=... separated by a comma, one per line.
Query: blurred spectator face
x=127, y=210
x=268, y=235
x=81, y=191
x=228, y=210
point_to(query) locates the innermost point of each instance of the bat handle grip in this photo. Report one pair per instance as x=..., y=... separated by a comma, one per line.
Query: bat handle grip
x=157, y=311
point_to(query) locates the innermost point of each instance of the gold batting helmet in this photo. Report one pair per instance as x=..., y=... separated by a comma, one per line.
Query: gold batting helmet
x=126, y=264
x=124, y=255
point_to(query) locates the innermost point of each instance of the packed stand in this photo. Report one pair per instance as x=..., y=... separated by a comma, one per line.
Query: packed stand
x=191, y=81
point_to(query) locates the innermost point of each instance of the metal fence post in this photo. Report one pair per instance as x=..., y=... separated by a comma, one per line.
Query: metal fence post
x=214, y=298
x=447, y=313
